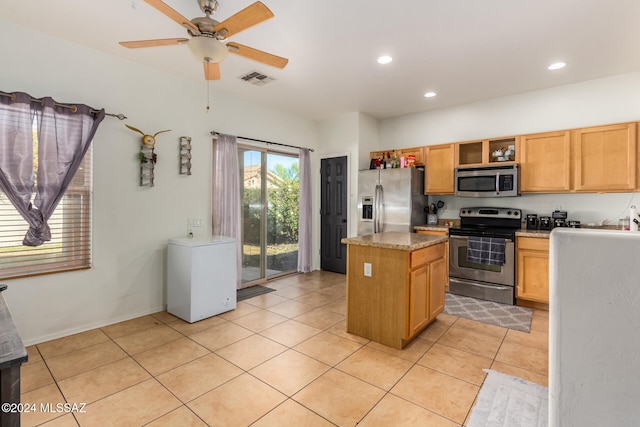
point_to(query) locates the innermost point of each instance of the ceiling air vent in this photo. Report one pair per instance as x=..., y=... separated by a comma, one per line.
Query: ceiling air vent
x=256, y=78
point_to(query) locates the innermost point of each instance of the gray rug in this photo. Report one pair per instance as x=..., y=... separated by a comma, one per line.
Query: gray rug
x=252, y=291
x=508, y=316
x=506, y=401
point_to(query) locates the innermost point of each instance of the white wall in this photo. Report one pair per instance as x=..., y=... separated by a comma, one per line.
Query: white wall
x=603, y=101
x=593, y=328
x=131, y=224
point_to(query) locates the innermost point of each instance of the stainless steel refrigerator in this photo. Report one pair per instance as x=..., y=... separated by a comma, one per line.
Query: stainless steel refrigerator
x=390, y=200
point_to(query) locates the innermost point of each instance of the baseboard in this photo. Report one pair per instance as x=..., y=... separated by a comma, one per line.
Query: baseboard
x=532, y=304
x=85, y=328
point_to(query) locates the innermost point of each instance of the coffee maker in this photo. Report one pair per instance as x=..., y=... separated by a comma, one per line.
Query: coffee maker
x=545, y=223
x=559, y=218
x=532, y=222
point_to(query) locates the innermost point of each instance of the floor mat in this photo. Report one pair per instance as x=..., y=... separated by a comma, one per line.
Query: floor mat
x=508, y=316
x=506, y=401
x=252, y=291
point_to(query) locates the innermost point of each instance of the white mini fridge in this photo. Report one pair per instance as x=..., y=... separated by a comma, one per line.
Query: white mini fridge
x=201, y=277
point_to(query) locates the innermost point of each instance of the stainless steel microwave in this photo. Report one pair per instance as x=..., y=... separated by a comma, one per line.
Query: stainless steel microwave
x=487, y=181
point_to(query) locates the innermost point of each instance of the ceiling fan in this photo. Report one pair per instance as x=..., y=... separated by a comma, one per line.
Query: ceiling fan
x=208, y=37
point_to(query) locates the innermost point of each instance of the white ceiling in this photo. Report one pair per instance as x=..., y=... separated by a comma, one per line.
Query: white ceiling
x=465, y=50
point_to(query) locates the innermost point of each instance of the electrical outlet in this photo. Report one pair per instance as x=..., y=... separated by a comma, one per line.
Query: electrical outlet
x=367, y=269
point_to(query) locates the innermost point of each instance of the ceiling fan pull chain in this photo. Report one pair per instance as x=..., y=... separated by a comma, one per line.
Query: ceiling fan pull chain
x=208, y=95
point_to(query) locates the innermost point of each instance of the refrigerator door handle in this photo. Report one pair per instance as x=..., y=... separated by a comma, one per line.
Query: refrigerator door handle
x=379, y=220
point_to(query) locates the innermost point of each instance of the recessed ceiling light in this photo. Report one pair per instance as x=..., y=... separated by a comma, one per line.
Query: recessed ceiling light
x=429, y=94
x=385, y=59
x=557, y=65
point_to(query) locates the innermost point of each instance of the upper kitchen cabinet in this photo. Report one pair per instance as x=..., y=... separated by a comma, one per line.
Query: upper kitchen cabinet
x=605, y=158
x=486, y=152
x=545, y=162
x=438, y=177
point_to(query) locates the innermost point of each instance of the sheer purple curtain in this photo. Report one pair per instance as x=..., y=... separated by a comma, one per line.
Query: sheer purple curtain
x=304, y=217
x=226, y=193
x=64, y=134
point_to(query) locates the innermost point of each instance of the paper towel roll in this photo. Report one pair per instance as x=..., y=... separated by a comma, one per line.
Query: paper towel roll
x=633, y=219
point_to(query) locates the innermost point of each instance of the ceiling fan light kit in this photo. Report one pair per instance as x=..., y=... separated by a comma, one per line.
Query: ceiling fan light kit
x=207, y=49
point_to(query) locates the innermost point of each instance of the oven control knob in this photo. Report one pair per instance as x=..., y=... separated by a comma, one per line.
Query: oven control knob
x=508, y=212
x=516, y=213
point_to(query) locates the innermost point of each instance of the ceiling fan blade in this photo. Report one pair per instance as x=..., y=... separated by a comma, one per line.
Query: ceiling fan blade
x=171, y=13
x=211, y=70
x=246, y=18
x=257, y=55
x=153, y=43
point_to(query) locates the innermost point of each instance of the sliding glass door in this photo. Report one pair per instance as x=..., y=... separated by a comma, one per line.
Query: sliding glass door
x=270, y=190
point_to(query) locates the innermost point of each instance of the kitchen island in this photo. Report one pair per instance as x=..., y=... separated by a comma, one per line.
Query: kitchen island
x=395, y=285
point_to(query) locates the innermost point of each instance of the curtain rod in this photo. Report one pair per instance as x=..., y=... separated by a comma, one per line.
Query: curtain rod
x=215, y=135
x=73, y=108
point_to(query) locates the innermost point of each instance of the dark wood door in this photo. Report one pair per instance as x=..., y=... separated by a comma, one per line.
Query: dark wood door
x=333, y=214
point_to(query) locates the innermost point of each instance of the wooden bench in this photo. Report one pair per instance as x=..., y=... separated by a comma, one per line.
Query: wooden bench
x=12, y=355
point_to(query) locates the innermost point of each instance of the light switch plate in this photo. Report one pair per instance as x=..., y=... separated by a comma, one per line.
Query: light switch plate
x=195, y=222
x=195, y=227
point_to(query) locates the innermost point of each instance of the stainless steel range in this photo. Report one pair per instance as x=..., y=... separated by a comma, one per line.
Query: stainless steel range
x=486, y=228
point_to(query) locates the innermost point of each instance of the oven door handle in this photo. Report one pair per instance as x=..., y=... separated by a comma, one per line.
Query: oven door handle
x=467, y=238
x=497, y=182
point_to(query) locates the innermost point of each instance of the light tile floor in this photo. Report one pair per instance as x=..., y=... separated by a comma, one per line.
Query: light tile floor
x=279, y=359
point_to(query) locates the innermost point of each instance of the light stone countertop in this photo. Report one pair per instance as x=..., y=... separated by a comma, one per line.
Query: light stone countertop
x=432, y=227
x=395, y=240
x=543, y=234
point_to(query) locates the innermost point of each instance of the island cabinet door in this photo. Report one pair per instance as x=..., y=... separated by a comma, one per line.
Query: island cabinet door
x=418, y=300
x=438, y=277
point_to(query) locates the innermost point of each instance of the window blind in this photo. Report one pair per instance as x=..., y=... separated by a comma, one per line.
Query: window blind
x=70, y=245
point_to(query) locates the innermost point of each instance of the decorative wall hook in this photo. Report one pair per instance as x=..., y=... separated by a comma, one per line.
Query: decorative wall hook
x=146, y=155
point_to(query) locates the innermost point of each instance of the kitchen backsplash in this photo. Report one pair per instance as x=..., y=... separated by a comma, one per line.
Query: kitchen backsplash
x=598, y=209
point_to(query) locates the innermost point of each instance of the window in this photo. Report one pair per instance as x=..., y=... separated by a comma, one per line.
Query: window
x=70, y=244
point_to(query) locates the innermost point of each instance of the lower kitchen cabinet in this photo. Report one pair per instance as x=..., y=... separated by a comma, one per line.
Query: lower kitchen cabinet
x=426, y=287
x=399, y=293
x=532, y=269
x=444, y=233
